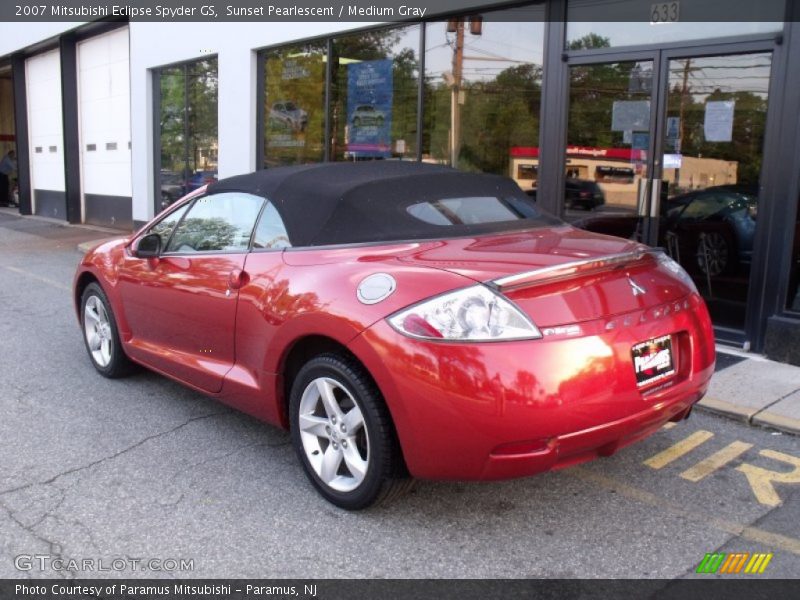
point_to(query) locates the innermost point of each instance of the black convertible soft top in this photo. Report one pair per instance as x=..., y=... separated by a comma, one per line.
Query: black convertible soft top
x=344, y=203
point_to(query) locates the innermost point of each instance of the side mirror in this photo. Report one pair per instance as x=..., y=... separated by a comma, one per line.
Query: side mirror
x=148, y=247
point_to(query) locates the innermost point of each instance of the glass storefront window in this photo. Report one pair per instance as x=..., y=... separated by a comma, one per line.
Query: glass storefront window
x=187, y=128
x=374, y=91
x=483, y=93
x=713, y=144
x=608, y=136
x=294, y=104
x=793, y=299
x=613, y=23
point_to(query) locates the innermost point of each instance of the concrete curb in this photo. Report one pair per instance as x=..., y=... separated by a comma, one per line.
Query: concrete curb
x=83, y=247
x=779, y=422
x=750, y=415
x=727, y=409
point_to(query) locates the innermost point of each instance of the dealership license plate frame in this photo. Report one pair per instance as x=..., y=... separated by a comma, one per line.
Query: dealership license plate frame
x=661, y=374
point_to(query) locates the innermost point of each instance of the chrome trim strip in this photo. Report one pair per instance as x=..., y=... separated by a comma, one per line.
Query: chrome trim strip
x=566, y=269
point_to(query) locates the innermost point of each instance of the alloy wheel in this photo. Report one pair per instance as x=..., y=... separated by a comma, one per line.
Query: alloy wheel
x=334, y=434
x=97, y=329
x=712, y=254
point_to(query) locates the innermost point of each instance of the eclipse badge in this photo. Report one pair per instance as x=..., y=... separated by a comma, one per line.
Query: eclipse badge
x=636, y=288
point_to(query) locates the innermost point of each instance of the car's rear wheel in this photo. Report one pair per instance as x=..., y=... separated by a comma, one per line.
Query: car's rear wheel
x=343, y=434
x=101, y=335
x=713, y=254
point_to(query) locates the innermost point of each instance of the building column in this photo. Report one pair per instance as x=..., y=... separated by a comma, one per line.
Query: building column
x=71, y=124
x=21, y=133
x=552, y=131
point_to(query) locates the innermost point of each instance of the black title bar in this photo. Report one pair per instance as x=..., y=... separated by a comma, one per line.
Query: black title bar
x=348, y=589
x=390, y=10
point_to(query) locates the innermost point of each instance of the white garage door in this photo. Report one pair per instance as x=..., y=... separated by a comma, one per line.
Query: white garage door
x=105, y=130
x=45, y=134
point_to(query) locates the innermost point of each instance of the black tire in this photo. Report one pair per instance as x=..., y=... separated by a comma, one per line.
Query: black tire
x=119, y=365
x=386, y=476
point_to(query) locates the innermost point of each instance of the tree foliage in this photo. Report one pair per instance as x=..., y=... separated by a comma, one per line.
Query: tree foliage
x=188, y=116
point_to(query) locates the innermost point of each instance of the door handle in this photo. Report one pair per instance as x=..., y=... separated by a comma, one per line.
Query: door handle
x=237, y=278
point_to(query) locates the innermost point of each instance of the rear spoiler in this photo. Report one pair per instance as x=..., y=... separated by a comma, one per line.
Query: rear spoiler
x=610, y=262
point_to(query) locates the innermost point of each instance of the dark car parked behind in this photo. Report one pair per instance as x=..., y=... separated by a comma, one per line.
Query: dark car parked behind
x=583, y=193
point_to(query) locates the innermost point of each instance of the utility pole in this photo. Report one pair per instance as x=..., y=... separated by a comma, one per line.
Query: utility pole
x=455, y=93
x=687, y=69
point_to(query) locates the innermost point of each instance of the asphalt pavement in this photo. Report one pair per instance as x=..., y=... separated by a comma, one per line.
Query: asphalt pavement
x=143, y=468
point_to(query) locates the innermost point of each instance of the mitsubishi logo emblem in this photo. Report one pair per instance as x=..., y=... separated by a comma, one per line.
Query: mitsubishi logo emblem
x=636, y=288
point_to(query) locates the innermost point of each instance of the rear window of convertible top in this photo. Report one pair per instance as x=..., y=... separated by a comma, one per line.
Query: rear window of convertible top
x=430, y=207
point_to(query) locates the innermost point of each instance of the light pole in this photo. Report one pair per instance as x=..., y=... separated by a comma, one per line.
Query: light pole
x=457, y=26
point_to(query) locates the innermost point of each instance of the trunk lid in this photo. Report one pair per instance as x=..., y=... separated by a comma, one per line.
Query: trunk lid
x=558, y=275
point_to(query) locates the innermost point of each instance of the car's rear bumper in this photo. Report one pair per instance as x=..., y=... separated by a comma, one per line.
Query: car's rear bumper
x=581, y=446
x=510, y=409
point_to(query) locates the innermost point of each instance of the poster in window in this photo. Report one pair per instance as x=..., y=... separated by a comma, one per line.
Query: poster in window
x=369, y=108
x=718, y=125
x=630, y=114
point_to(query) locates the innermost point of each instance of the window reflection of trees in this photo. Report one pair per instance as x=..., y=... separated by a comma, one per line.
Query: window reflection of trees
x=694, y=82
x=482, y=93
x=203, y=235
x=294, y=104
x=188, y=123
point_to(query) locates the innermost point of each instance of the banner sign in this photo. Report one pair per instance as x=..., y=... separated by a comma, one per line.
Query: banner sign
x=369, y=108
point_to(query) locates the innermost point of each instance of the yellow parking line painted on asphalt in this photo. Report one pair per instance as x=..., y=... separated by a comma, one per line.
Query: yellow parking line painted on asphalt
x=749, y=533
x=669, y=425
x=761, y=480
x=674, y=452
x=719, y=459
x=39, y=278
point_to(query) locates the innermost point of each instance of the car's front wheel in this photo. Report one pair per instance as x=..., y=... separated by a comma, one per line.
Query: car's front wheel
x=343, y=434
x=101, y=335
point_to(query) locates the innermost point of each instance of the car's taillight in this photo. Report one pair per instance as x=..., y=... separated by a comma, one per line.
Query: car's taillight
x=473, y=314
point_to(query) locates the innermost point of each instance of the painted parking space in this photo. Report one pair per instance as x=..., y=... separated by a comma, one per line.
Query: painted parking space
x=761, y=480
x=715, y=474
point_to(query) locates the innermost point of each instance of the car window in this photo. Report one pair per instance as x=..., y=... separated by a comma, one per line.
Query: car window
x=217, y=223
x=444, y=204
x=464, y=211
x=165, y=226
x=271, y=232
x=705, y=206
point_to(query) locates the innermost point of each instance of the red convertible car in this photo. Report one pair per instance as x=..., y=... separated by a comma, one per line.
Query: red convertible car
x=402, y=320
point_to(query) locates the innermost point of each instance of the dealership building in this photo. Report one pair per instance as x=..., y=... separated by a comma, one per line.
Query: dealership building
x=659, y=126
